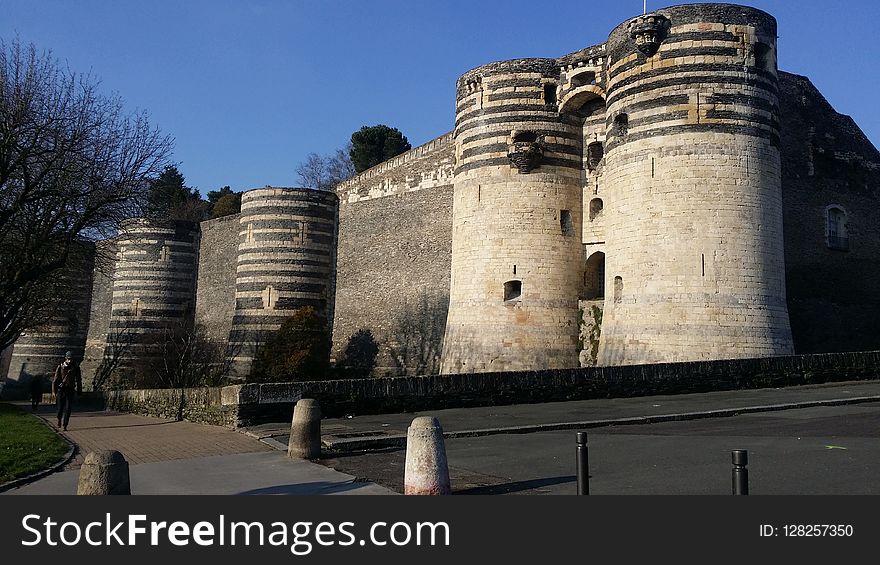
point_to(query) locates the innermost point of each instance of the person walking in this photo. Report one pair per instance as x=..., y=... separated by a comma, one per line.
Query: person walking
x=66, y=385
x=36, y=391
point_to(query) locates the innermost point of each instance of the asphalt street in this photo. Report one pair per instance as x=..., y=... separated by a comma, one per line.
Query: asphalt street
x=823, y=450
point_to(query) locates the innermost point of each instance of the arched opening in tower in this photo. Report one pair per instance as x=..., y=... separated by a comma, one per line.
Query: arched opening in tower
x=594, y=277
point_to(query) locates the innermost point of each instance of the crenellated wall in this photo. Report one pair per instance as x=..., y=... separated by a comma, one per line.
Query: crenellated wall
x=427, y=166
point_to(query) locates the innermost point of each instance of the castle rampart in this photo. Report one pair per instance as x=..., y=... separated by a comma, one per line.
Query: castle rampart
x=427, y=166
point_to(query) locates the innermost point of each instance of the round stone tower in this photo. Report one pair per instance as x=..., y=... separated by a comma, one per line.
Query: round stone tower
x=153, y=287
x=286, y=261
x=39, y=351
x=517, y=214
x=694, y=256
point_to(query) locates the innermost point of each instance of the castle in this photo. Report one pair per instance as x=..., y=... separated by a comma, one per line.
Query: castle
x=667, y=195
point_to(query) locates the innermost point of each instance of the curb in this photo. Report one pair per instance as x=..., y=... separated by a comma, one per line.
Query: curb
x=67, y=458
x=399, y=440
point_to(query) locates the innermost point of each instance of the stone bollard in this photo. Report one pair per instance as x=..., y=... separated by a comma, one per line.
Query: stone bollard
x=426, y=471
x=305, y=430
x=104, y=472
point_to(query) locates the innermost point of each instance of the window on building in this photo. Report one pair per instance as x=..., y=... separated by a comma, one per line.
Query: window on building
x=835, y=228
x=594, y=277
x=512, y=291
x=550, y=93
x=525, y=137
x=583, y=79
x=618, y=289
x=595, y=152
x=596, y=208
x=620, y=125
x=565, y=222
x=764, y=57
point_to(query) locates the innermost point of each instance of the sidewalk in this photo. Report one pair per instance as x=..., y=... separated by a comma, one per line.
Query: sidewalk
x=170, y=457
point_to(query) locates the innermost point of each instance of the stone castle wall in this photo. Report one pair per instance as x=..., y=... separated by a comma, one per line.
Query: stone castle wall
x=215, y=288
x=427, y=166
x=828, y=161
x=393, y=277
x=99, y=311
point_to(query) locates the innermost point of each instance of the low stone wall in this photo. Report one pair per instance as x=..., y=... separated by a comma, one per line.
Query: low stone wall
x=194, y=404
x=256, y=403
x=249, y=404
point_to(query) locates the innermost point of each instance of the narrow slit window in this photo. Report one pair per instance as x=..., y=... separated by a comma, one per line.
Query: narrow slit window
x=565, y=222
x=550, y=93
x=621, y=124
x=512, y=291
x=618, y=289
x=836, y=229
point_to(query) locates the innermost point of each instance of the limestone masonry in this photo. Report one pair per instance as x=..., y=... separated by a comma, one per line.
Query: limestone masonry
x=666, y=196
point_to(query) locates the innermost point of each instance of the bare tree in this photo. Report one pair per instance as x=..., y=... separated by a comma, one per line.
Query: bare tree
x=416, y=339
x=325, y=172
x=181, y=356
x=73, y=165
x=119, y=341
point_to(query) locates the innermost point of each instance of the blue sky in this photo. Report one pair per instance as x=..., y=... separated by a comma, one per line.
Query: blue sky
x=248, y=89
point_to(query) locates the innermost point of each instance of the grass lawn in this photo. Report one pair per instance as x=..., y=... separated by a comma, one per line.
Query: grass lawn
x=26, y=444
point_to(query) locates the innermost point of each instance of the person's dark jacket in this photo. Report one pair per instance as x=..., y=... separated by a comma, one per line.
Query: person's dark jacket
x=68, y=378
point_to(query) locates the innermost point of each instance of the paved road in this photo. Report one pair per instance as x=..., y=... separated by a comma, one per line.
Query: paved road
x=826, y=450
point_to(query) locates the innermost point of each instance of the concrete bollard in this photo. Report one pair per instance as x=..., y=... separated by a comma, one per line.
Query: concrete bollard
x=305, y=430
x=426, y=470
x=104, y=472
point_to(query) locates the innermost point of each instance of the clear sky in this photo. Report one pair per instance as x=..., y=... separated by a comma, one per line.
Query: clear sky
x=249, y=88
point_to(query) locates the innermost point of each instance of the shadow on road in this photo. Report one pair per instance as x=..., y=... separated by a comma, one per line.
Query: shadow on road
x=320, y=487
x=518, y=486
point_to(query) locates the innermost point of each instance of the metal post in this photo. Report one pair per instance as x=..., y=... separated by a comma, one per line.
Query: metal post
x=740, y=472
x=583, y=464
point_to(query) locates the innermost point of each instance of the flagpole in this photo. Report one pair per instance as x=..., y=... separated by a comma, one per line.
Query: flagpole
x=644, y=7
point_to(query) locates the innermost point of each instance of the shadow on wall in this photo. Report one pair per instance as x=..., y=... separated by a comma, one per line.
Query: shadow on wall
x=415, y=341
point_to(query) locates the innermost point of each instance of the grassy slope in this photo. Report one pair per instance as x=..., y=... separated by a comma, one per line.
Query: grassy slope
x=26, y=444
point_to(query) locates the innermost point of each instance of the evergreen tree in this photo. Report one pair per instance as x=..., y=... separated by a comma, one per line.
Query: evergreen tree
x=374, y=144
x=215, y=195
x=168, y=195
x=226, y=205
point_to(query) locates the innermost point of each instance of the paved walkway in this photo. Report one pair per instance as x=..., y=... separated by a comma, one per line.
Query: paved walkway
x=144, y=439
x=170, y=457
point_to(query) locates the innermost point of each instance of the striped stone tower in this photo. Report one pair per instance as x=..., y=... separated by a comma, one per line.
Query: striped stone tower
x=153, y=286
x=694, y=265
x=286, y=261
x=517, y=214
x=38, y=352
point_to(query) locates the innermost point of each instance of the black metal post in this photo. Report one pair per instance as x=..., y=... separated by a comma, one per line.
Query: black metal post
x=583, y=464
x=740, y=472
